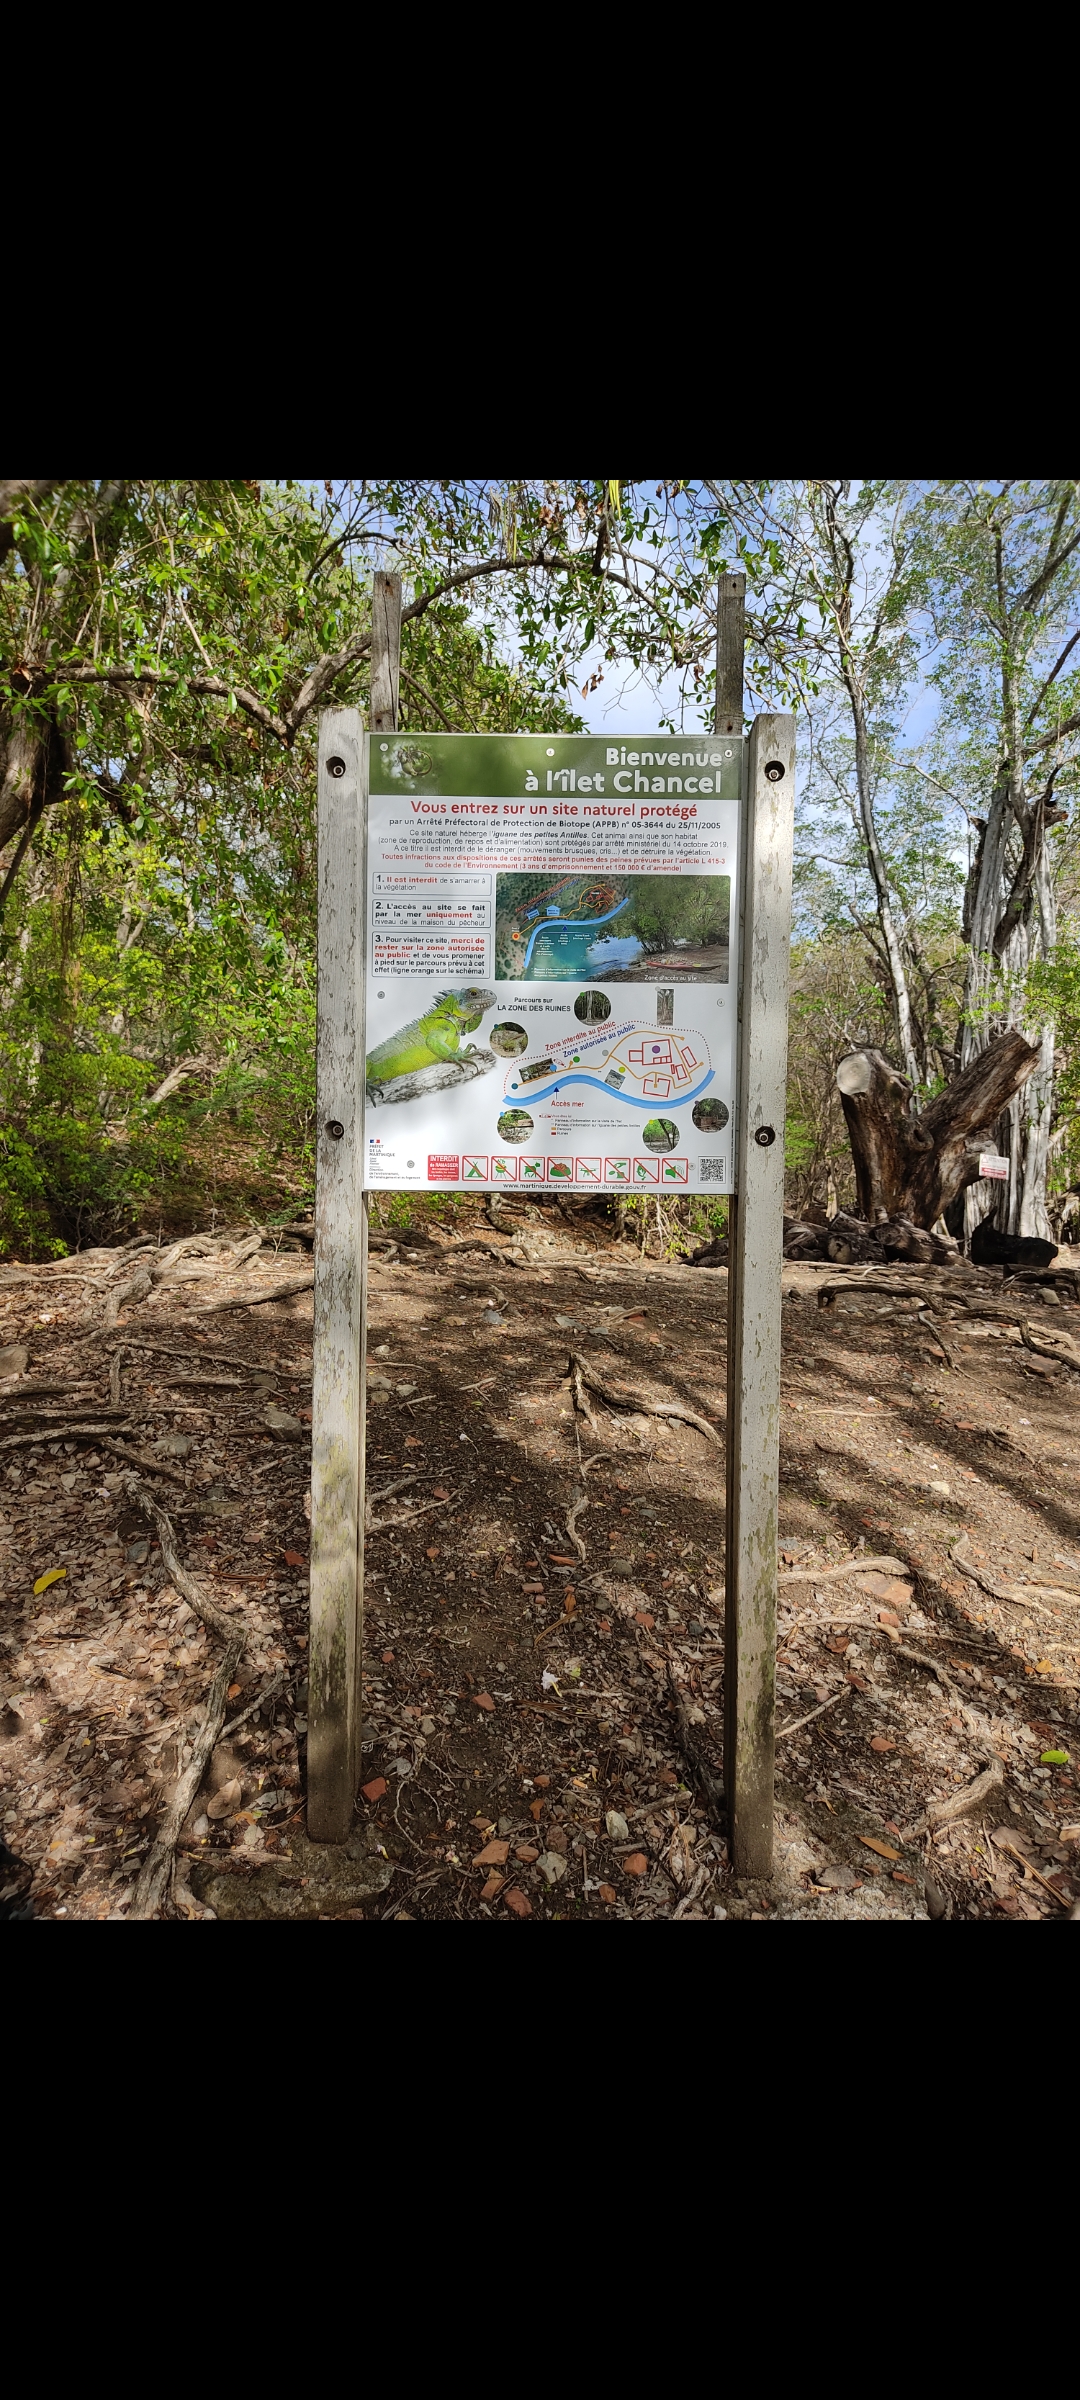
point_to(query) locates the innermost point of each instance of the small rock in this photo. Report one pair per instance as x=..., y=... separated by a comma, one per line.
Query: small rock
x=378, y=1383
x=138, y=1553
x=405, y=1390
x=427, y=1724
x=618, y=1829
x=175, y=1445
x=944, y=1490
x=551, y=1866
x=14, y=1360
x=890, y=1589
x=284, y=1427
x=838, y=1879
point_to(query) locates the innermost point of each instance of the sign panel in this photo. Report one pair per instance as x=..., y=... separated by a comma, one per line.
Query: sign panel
x=552, y=961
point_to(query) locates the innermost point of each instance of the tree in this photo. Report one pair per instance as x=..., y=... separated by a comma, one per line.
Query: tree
x=1000, y=564
x=163, y=652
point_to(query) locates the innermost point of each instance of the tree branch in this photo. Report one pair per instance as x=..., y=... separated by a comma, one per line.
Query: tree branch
x=1031, y=749
x=415, y=685
x=1054, y=671
x=548, y=562
x=163, y=678
x=25, y=839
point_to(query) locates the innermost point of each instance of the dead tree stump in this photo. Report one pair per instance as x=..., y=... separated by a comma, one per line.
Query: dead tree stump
x=913, y=1167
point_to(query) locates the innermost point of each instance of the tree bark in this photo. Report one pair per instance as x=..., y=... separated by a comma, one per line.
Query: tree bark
x=34, y=761
x=914, y=1166
x=852, y=673
x=1009, y=904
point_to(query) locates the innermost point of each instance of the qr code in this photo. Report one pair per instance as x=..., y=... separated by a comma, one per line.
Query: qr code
x=712, y=1170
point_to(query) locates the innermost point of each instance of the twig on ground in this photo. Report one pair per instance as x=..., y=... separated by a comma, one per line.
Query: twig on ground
x=708, y=1782
x=59, y=1433
x=253, y=1706
x=782, y=1731
x=1015, y=1595
x=934, y=1329
x=636, y=1401
x=137, y=1458
x=572, y=1515
x=850, y=1566
x=186, y=1585
x=968, y=1803
x=581, y=1401
x=409, y=1516
x=157, y=1870
x=1026, y=1862
x=701, y=1878
x=275, y=1291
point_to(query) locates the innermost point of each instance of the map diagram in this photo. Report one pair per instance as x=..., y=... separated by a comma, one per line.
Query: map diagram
x=637, y=1062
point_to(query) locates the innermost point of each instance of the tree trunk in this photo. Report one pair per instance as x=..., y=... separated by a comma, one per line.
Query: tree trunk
x=913, y=1167
x=853, y=670
x=1004, y=945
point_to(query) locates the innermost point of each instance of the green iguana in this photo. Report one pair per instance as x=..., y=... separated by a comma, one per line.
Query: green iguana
x=433, y=1038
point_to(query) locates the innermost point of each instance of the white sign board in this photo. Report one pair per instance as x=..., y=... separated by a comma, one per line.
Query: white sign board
x=993, y=1168
x=552, y=969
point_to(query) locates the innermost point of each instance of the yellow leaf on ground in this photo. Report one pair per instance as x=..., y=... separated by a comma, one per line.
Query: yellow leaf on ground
x=52, y=1575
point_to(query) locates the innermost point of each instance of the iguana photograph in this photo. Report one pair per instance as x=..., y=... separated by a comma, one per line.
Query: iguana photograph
x=433, y=1039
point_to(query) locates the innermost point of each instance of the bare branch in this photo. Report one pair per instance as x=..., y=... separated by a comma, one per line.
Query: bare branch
x=415, y=685
x=1057, y=735
x=1054, y=671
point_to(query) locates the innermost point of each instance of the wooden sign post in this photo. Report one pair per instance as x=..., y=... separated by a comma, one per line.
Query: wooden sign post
x=755, y=1251
x=335, y=1709
x=335, y=1679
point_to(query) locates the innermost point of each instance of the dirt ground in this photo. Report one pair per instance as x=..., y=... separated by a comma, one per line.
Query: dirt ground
x=522, y=1749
